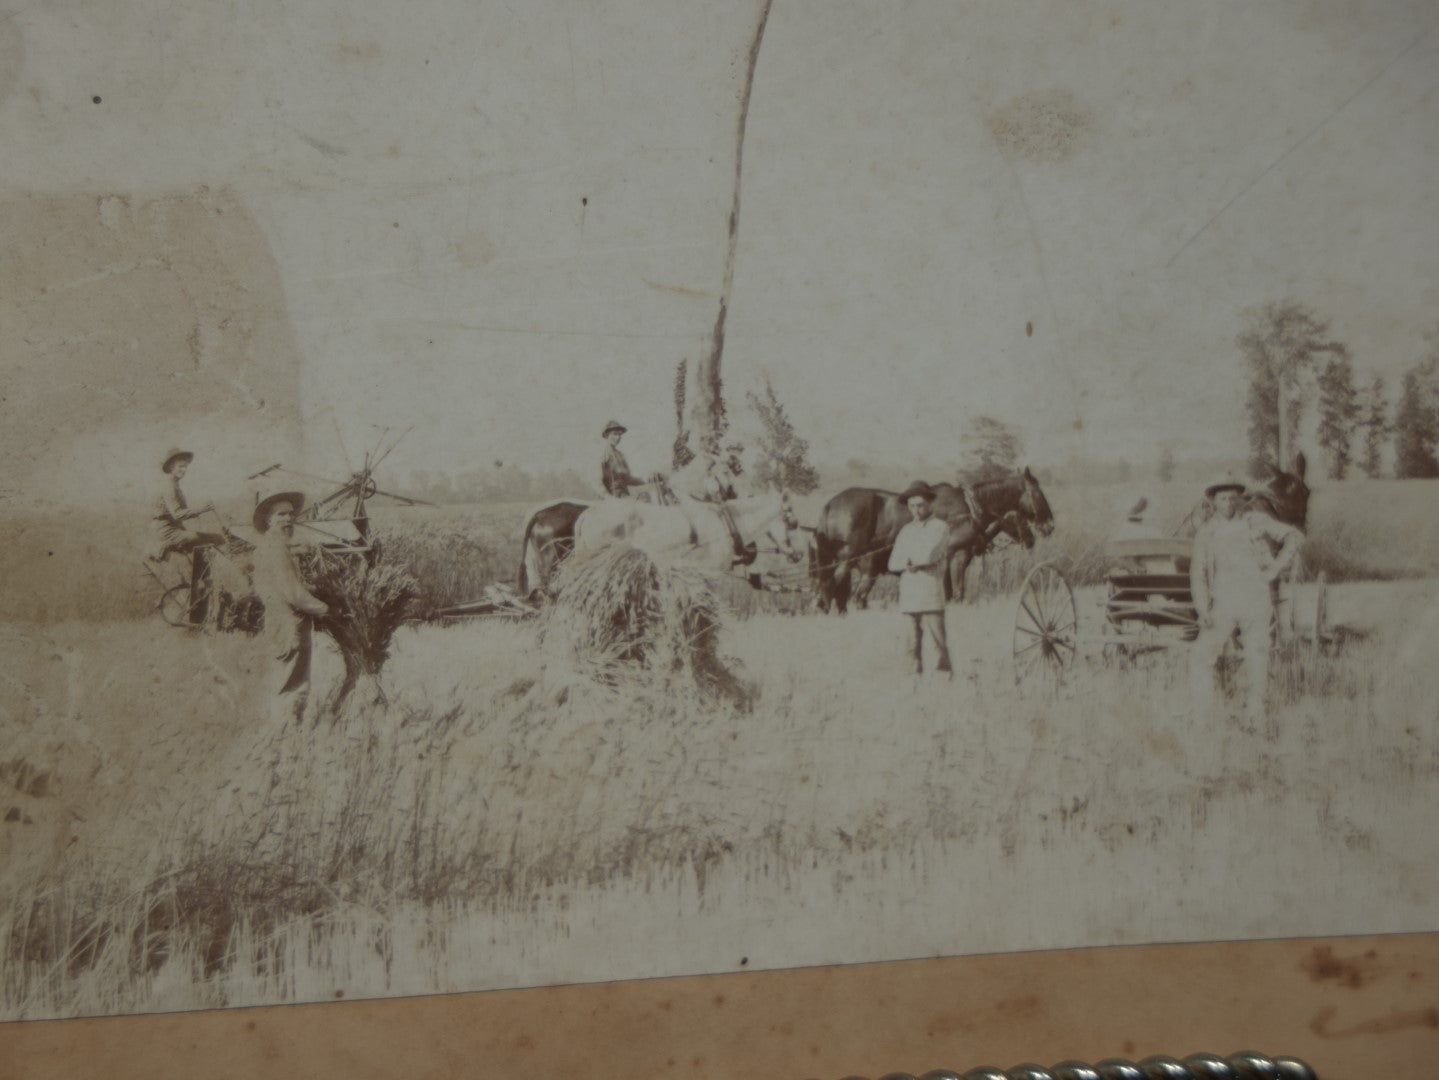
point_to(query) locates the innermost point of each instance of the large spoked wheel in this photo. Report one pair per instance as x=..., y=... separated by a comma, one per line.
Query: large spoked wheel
x=1046, y=626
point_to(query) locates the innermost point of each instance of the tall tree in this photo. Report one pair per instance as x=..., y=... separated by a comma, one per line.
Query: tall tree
x=1416, y=424
x=681, y=454
x=990, y=448
x=1279, y=342
x=706, y=406
x=1376, y=428
x=1338, y=413
x=783, y=456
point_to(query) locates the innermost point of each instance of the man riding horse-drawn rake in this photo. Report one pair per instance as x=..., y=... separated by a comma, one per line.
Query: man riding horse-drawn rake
x=695, y=513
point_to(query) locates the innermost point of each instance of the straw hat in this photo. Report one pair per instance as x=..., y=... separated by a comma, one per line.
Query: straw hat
x=175, y=454
x=613, y=425
x=261, y=517
x=1229, y=483
x=920, y=488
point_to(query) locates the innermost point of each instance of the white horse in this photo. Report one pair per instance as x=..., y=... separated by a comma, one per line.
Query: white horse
x=719, y=536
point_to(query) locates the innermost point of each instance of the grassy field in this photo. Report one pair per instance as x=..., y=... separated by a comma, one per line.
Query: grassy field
x=167, y=846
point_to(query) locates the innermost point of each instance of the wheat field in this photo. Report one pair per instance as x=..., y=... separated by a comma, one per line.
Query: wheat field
x=169, y=845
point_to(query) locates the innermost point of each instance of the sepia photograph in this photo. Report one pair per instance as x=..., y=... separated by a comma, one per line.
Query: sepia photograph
x=501, y=495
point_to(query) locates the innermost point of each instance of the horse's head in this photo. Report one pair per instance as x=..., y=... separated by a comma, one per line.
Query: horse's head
x=1284, y=495
x=1033, y=506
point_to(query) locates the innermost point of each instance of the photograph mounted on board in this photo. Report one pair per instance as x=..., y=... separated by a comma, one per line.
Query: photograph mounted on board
x=500, y=496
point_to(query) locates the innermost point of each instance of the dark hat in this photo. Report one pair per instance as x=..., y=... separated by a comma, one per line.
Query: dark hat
x=1229, y=483
x=175, y=454
x=920, y=488
x=261, y=517
x=1136, y=512
x=613, y=425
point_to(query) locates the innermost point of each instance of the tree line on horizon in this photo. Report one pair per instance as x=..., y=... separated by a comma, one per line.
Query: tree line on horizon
x=1298, y=370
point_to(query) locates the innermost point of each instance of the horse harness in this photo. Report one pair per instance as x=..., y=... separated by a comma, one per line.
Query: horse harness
x=988, y=527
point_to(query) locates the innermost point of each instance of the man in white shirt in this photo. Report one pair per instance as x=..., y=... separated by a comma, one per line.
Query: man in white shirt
x=1238, y=553
x=919, y=557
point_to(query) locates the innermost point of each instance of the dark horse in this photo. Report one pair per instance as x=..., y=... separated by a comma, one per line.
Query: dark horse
x=857, y=529
x=1282, y=495
x=549, y=537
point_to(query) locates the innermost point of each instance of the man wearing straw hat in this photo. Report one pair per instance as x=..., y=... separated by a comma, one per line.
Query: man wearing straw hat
x=176, y=536
x=919, y=558
x=1238, y=553
x=289, y=606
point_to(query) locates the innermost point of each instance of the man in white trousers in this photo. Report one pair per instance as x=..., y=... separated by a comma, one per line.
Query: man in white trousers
x=1238, y=553
x=919, y=557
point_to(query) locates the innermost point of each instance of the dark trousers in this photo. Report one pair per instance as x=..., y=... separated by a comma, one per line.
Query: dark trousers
x=299, y=657
x=201, y=585
x=931, y=624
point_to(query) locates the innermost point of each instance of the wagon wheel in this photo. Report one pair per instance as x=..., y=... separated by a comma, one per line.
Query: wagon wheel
x=175, y=606
x=1045, y=625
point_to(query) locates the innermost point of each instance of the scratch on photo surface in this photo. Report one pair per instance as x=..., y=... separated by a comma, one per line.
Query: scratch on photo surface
x=1301, y=141
x=678, y=290
x=328, y=149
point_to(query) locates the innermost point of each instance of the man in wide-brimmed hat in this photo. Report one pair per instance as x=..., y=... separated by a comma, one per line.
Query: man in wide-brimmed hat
x=1238, y=554
x=919, y=557
x=615, y=473
x=175, y=535
x=289, y=605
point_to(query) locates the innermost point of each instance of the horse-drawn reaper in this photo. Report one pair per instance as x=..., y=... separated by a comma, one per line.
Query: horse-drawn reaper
x=857, y=529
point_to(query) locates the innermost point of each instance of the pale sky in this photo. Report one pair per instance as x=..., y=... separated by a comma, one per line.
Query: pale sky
x=505, y=223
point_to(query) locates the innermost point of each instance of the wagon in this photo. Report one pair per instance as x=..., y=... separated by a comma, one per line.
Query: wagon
x=1145, y=605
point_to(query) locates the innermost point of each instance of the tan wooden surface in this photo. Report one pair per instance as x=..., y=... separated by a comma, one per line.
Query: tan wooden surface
x=1354, y=1008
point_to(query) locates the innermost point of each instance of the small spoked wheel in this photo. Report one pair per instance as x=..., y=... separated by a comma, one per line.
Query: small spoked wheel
x=1046, y=625
x=175, y=606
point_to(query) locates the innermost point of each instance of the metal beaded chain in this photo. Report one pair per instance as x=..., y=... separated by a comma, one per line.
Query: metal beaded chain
x=1245, y=1065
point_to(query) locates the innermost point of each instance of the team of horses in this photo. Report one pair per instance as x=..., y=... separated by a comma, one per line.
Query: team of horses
x=851, y=542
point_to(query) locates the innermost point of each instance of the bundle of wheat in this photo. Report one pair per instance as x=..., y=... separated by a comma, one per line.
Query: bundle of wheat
x=367, y=603
x=620, y=617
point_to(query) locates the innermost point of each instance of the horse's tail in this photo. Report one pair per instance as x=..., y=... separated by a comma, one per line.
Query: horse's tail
x=822, y=546
x=529, y=575
x=821, y=551
x=811, y=554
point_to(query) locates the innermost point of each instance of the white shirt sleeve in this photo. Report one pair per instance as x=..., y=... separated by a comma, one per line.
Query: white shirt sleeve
x=899, y=555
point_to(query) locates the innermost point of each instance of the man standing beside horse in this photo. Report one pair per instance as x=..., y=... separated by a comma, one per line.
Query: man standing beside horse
x=920, y=558
x=1238, y=555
